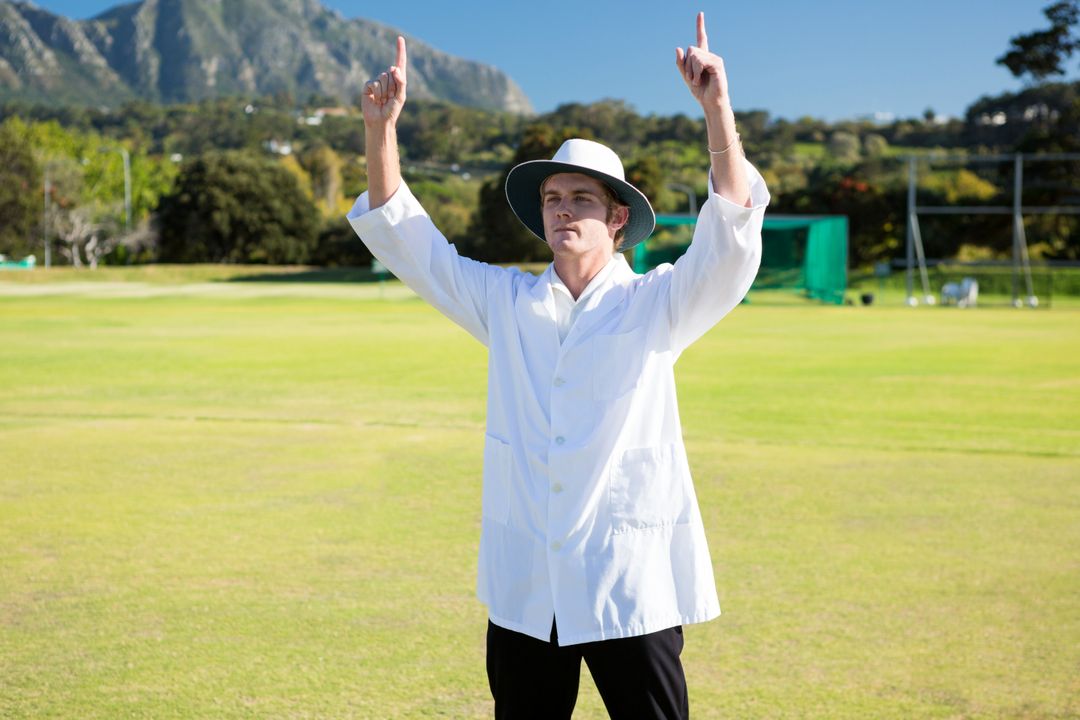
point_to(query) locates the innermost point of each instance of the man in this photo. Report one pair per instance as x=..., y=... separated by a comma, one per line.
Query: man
x=592, y=545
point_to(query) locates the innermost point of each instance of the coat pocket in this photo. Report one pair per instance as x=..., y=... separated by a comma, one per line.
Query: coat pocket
x=617, y=363
x=498, y=469
x=649, y=488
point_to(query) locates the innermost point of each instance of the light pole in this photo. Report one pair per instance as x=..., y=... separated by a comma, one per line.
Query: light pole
x=689, y=192
x=127, y=190
x=47, y=191
x=127, y=184
x=46, y=207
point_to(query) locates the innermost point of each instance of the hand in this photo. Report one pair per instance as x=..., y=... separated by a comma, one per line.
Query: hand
x=384, y=96
x=703, y=71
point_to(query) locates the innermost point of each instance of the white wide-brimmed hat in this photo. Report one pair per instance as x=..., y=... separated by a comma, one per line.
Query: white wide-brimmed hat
x=588, y=158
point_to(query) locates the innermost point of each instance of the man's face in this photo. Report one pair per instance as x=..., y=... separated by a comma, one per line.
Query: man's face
x=575, y=209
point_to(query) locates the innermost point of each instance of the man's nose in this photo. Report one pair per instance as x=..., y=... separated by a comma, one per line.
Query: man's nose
x=564, y=209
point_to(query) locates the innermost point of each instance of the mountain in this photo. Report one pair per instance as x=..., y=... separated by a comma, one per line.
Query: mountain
x=187, y=50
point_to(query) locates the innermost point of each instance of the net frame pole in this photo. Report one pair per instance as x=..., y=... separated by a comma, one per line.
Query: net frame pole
x=915, y=250
x=910, y=242
x=1029, y=283
x=1020, y=249
x=920, y=254
x=1018, y=189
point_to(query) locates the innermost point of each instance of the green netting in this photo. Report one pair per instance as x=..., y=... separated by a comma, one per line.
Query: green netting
x=802, y=254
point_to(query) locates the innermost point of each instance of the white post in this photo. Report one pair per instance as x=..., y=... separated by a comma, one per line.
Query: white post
x=690, y=194
x=47, y=191
x=127, y=190
x=1018, y=221
x=909, y=280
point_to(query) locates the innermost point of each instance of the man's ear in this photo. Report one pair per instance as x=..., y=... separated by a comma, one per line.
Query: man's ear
x=620, y=217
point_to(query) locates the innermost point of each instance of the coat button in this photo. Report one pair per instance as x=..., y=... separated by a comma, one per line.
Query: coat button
x=556, y=546
x=560, y=440
x=557, y=487
x=559, y=382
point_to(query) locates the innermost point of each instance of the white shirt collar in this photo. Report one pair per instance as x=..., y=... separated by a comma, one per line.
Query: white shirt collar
x=598, y=279
x=567, y=309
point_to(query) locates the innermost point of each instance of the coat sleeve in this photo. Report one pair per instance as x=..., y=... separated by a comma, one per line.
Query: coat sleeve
x=401, y=235
x=716, y=272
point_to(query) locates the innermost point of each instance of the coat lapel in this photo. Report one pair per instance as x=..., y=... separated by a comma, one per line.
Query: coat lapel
x=601, y=303
x=536, y=317
x=540, y=294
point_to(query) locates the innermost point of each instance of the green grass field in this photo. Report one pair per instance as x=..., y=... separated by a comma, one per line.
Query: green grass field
x=262, y=500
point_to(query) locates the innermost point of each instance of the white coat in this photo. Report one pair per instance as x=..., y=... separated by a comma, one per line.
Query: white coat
x=589, y=512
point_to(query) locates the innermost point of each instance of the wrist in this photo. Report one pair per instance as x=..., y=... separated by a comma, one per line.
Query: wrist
x=718, y=107
x=719, y=116
x=722, y=133
x=380, y=128
x=380, y=135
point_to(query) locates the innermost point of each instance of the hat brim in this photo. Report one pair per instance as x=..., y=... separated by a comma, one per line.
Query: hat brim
x=523, y=193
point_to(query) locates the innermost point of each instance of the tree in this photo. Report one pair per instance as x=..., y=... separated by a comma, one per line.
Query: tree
x=79, y=235
x=339, y=246
x=85, y=175
x=844, y=146
x=1008, y=122
x=874, y=211
x=613, y=120
x=324, y=167
x=233, y=207
x=451, y=202
x=1042, y=53
x=20, y=191
x=647, y=176
x=874, y=145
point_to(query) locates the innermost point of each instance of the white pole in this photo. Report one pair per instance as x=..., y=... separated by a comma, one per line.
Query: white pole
x=909, y=280
x=127, y=190
x=47, y=191
x=690, y=195
x=1018, y=222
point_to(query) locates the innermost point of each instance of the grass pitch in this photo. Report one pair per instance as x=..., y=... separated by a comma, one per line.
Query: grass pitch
x=262, y=500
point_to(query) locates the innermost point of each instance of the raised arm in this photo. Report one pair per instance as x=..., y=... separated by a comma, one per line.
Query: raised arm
x=394, y=226
x=382, y=101
x=704, y=74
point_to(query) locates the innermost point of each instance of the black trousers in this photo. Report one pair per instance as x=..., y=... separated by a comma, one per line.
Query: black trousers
x=639, y=678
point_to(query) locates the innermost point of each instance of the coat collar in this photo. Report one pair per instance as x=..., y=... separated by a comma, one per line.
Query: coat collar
x=600, y=301
x=541, y=291
x=620, y=274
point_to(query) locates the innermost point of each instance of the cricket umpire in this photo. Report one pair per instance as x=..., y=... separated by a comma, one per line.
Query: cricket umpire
x=592, y=545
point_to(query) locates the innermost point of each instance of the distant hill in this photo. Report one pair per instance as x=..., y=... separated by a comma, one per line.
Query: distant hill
x=188, y=50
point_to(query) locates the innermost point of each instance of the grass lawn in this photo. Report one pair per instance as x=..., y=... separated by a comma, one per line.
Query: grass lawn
x=248, y=499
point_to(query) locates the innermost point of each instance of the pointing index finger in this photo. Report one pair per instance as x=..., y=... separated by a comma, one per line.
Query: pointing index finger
x=401, y=58
x=702, y=38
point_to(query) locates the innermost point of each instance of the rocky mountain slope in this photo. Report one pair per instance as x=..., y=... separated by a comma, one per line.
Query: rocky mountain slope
x=185, y=50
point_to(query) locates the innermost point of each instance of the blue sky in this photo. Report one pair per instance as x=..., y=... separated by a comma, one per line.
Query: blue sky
x=827, y=58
